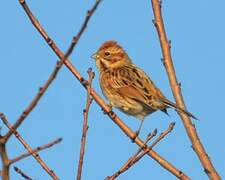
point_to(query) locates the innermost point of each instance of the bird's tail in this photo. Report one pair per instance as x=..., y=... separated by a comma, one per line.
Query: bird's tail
x=173, y=105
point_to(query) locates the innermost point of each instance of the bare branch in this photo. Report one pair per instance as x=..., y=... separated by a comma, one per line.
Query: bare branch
x=19, y=171
x=29, y=149
x=40, y=148
x=129, y=161
x=139, y=154
x=168, y=166
x=85, y=124
x=59, y=64
x=35, y=100
x=161, y=136
x=175, y=86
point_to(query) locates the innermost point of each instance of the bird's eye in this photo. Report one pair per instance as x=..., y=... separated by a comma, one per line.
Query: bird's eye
x=107, y=53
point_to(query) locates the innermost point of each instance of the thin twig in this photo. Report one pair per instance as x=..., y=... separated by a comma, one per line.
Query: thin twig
x=85, y=123
x=19, y=171
x=35, y=100
x=168, y=166
x=141, y=153
x=129, y=161
x=175, y=86
x=59, y=64
x=40, y=148
x=29, y=149
x=76, y=38
x=161, y=136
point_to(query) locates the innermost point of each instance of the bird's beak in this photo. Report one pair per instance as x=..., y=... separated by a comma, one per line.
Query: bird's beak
x=94, y=56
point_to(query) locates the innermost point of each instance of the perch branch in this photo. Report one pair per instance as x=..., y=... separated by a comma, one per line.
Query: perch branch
x=175, y=86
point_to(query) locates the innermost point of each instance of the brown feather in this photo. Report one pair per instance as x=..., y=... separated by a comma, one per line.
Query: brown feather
x=128, y=87
x=108, y=44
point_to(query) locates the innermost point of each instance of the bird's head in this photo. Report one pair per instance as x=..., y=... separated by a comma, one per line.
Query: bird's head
x=110, y=55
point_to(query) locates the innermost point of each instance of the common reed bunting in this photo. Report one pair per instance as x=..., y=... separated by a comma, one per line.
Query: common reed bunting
x=127, y=87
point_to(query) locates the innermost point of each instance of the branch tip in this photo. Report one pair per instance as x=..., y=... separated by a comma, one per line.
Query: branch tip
x=172, y=125
x=19, y=171
x=89, y=70
x=155, y=132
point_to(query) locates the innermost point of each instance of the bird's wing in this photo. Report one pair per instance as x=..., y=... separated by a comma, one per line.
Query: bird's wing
x=132, y=82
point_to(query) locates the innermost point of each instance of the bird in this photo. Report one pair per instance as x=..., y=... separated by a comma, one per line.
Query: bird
x=127, y=87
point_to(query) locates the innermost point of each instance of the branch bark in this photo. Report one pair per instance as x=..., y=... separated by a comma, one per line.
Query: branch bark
x=168, y=63
x=40, y=148
x=85, y=124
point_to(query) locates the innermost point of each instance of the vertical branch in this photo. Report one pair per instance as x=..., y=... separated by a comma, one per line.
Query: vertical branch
x=85, y=124
x=190, y=128
x=5, y=160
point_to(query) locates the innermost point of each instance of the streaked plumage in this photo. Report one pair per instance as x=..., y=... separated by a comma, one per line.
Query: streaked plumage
x=126, y=86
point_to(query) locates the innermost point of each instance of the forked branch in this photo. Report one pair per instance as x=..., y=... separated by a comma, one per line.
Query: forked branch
x=141, y=153
x=29, y=149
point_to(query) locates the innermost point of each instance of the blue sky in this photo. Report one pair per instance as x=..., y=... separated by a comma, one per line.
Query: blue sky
x=196, y=30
